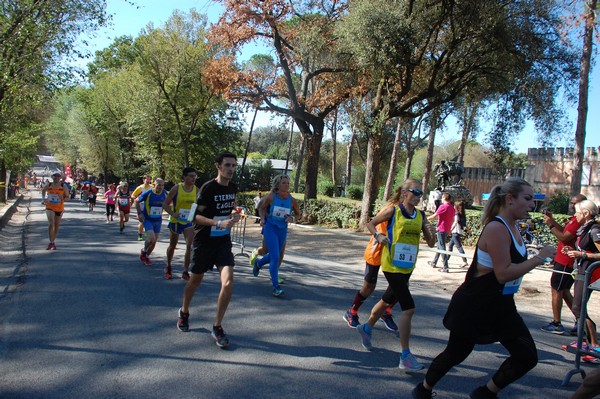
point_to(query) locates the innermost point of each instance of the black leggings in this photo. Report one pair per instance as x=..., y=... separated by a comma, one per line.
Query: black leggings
x=523, y=357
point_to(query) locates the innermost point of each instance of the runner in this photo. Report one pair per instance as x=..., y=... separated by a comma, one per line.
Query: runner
x=54, y=195
x=123, y=199
x=92, y=194
x=183, y=196
x=214, y=217
x=275, y=214
x=483, y=310
x=145, y=186
x=149, y=210
x=400, y=250
x=372, y=257
x=110, y=202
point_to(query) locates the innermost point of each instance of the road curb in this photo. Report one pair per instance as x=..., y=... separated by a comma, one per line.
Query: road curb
x=7, y=211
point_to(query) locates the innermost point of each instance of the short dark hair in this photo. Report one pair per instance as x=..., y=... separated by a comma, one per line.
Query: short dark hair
x=187, y=170
x=224, y=155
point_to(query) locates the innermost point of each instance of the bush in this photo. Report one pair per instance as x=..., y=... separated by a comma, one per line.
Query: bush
x=354, y=191
x=332, y=213
x=326, y=187
x=559, y=202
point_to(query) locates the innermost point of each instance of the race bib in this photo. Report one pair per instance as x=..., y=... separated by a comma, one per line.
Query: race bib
x=184, y=215
x=280, y=212
x=111, y=197
x=214, y=232
x=405, y=255
x=155, y=211
x=53, y=199
x=124, y=201
x=512, y=287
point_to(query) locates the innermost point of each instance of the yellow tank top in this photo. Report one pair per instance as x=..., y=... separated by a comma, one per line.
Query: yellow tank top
x=404, y=233
x=182, y=203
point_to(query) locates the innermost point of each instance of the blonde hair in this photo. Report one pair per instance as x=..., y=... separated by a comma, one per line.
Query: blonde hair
x=587, y=205
x=406, y=184
x=497, y=200
x=276, y=181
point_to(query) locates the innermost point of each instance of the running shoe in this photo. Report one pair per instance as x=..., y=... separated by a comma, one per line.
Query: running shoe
x=419, y=392
x=573, y=331
x=464, y=265
x=389, y=322
x=140, y=237
x=255, y=267
x=280, y=280
x=253, y=256
x=410, y=363
x=185, y=276
x=183, y=323
x=430, y=263
x=554, y=327
x=121, y=230
x=219, y=335
x=49, y=247
x=143, y=256
x=278, y=292
x=351, y=319
x=443, y=270
x=54, y=246
x=365, y=337
x=168, y=273
x=590, y=359
x=147, y=261
x=573, y=345
x=482, y=393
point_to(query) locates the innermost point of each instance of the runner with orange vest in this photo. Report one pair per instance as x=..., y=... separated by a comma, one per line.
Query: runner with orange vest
x=54, y=195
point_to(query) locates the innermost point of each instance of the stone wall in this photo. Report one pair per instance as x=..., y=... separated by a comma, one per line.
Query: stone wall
x=549, y=171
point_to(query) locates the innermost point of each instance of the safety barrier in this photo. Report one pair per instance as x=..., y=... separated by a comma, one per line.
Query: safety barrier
x=238, y=233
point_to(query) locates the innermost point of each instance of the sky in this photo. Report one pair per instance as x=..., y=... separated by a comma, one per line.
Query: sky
x=130, y=20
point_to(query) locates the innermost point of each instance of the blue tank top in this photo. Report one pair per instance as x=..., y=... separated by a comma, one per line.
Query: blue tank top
x=280, y=208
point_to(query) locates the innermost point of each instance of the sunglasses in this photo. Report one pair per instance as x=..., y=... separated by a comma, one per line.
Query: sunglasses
x=415, y=191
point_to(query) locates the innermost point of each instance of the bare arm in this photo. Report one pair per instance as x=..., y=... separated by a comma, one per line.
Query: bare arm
x=169, y=200
x=382, y=216
x=263, y=206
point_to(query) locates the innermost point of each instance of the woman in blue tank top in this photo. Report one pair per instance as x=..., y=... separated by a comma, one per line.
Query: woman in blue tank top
x=275, y=213
x=482, y=310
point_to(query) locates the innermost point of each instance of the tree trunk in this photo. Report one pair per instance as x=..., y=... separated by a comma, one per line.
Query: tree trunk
x=582, y=108
x=289, y=151
x=435, y=114
x=3, y=180
x=389, y=184
x=469, y=116
x=246, y=149
x=371, y=178
x=334, y=150
x=300, y=162
x=313, y=145
x=410, y=153
x=349, y=158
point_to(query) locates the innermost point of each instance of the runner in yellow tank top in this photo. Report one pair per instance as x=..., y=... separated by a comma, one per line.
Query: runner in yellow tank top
x=54, y=195
x=401, y=245
x=183, y=197
x=146, y=185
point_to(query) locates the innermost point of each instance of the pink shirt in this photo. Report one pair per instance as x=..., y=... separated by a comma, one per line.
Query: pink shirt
x=445, y=215
x=110, y=196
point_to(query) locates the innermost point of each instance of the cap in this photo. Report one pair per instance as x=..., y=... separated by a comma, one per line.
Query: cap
x=56, y=172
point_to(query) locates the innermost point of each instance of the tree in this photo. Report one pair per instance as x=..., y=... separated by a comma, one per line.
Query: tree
x=310, y=77
x=36, y=38
x=582, y=107
x=173, y=58
x=414, y=56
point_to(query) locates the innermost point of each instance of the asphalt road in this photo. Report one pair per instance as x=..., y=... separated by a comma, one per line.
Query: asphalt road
x=90, y=321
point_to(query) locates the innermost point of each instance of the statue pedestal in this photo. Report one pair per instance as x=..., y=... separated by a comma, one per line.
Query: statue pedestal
x=460, y=193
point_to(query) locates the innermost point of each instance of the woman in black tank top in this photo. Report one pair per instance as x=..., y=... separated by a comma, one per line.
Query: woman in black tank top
x=482, y=310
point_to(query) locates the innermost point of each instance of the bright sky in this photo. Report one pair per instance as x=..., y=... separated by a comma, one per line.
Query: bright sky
x=129, y=20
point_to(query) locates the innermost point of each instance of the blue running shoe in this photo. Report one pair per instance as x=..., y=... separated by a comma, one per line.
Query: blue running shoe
x=351, y=319
x=410, y=363
x=278, y=292
x=365, y=337
x=389, y=322
x=255, y=267
x=554, y=327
